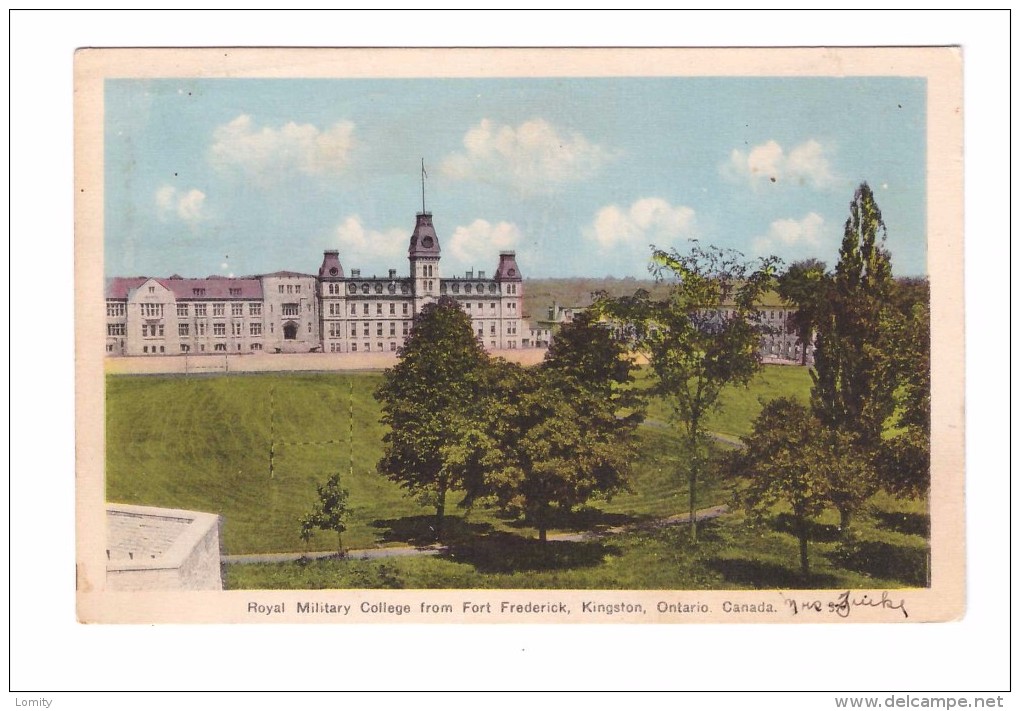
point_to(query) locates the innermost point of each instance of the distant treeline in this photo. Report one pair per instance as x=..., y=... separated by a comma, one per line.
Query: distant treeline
x=539, y=294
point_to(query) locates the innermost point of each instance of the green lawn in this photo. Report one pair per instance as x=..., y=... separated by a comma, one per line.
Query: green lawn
x=202, y=443
x=889, y=551
x=739, y=405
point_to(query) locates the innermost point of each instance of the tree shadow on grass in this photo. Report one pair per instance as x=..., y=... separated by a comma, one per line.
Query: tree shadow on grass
x=818, y=532
x=420, y=530
x=584, y=519
x=500, y=552
x=909, y=523
x=764, y=575
x=911, y=566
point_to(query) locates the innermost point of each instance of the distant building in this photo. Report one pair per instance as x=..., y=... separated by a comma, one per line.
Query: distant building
x=294, y=312
x=778, y=341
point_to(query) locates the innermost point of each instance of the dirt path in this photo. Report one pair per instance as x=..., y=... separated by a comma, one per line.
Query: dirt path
x=436, y=549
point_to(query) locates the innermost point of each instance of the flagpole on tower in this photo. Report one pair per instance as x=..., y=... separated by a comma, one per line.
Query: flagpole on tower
x=423, y=176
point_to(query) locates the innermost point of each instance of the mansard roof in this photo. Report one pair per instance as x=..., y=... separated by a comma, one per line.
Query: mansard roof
x=212, y=287
x=424, y=240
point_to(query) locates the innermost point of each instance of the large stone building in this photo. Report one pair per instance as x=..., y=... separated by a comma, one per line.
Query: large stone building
x=292, y=312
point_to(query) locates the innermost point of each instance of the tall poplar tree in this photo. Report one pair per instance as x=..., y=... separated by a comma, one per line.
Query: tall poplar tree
x=853, y=385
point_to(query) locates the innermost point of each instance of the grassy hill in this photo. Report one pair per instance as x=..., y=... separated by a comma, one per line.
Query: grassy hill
x=203, y=442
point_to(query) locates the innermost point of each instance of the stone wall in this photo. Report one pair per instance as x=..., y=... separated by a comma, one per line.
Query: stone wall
x=162, y=549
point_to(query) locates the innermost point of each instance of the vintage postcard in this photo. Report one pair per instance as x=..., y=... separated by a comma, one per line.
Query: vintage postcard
x=518, y=336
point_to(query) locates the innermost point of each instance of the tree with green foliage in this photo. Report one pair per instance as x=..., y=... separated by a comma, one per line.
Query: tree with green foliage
x=784, y=460
x=703, y=337
x=330, y=512
x=587, y=350
x=849, y=471
x=853, y=385
x=804, y=285
x=547, y=443
x=904, y=460
x=426, y=401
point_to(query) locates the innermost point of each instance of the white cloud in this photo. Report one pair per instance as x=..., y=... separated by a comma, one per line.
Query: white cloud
x=534, y=157
x=186, y=206
x=806, y=164
x=647, y=221
x=791, y=236
x=366, y=249
x=291, y=148
x=478, y=245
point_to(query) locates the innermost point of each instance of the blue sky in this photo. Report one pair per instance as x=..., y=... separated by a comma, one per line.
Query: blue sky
x=579, y=176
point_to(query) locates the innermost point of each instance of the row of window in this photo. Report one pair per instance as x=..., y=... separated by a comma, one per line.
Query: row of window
x=290, y=289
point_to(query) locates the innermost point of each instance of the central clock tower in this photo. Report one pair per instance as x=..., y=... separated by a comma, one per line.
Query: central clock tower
x=423, y=255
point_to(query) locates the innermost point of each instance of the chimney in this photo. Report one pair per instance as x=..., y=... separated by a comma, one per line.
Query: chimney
x=481, y=274
x=355, y=272
x=393, y=273
x=469, y=274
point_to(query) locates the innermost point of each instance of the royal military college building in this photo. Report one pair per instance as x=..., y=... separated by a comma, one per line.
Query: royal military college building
x=294, y=312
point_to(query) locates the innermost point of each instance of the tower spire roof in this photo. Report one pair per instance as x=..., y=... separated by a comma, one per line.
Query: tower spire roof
x=424, y=241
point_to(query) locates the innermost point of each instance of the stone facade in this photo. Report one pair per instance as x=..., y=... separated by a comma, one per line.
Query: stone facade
x=161, y=549
x=293, y=312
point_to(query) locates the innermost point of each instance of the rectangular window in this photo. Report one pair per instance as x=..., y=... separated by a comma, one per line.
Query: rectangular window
x=152, y=290
x=378, y=309
x=220, y=347
x=152, y=310
x=235, y=328
x=365, y=310
x=116, y=329
x=492, y=306
x=291, y=310
x=366, y=328
x=182, y=310
x=297, y=288
x=393, y=309
x=405, y=309
x=354, y=347
x=235, y=291
x=219, y=329
x=368, y=347
x=200, y=309
x=237, y=309
x=393, y=329
x=354, y=329
x=492, y=329
x=405, y=328
x=378, y=329
x=198, y=292
x=468, y=305
x=290, y=288
x=254, y=309
x=378, y=346
x=182, y=329
x=281, y=288
x=256, y=346
x=219, y=309
x=354, y=309
x=255, y=329
x=200, y=329
x=393, y=345
x=115, y=308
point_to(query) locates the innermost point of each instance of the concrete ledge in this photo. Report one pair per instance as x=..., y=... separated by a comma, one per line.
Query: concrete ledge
x=150, y=548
